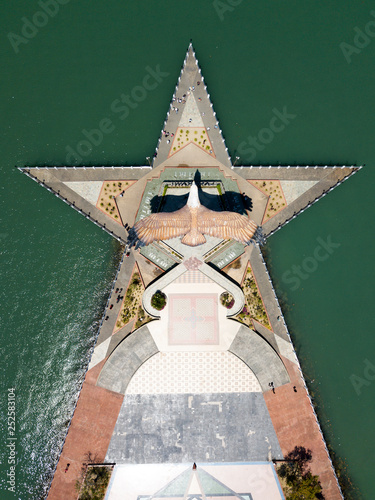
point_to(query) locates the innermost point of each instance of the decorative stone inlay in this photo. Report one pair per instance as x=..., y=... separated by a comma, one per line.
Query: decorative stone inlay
x=192, y=263
x=193, y=319
x=191, y=116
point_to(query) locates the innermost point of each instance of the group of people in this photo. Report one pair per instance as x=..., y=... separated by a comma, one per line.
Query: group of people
x=179, y=100
x=182, y=100
x=273, y=387
x=119, y=297
x=167, y=134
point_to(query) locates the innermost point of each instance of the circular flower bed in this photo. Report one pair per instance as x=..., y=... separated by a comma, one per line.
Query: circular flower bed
x=158, y=300
x=227, y=300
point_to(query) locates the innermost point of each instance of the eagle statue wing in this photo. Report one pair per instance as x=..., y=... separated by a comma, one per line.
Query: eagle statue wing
x=163, y=225
x=226, y=225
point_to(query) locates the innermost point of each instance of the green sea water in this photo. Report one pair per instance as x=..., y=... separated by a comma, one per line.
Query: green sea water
x=56, y=267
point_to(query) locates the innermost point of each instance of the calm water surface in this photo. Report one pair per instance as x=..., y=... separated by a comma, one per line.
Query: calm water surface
x=56, y=267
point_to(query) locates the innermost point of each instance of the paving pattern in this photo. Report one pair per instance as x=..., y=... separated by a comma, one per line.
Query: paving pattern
x=193, y=372
x=193, y=319
x=193, y=276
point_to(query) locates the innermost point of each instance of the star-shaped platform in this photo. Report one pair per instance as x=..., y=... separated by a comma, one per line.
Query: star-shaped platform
x=212, y=377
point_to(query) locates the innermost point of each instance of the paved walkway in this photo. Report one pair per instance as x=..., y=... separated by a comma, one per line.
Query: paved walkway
x=296, y=425
x=125, y=360
x=107, y=340
x=191, y=83
x=191, y=322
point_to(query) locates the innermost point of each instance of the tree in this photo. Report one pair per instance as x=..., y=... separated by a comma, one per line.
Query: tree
x=301, y=484
x=158, y=300
x=307, y=488
x=94, y=479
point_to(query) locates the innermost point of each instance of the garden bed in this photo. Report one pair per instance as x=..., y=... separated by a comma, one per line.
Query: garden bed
x=95, y=482
x=276, y=198
x=106, y=201
x=254, y=308
x=196, y=135
x=131, y=307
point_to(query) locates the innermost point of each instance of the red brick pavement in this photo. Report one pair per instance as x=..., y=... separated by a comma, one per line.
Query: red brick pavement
x=90, y=430
x=295, y=425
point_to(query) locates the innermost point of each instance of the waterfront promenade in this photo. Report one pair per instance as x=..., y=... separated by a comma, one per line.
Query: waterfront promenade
x=191, y=383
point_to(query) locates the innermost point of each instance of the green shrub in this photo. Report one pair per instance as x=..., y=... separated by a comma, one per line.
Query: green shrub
x=158, y=300
x=95, y=483
x=300, y=483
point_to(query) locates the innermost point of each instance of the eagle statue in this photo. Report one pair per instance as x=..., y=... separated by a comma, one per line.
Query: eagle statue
x=192, y=222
